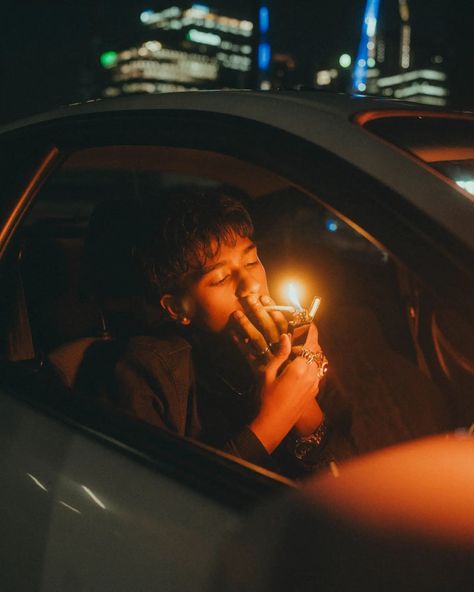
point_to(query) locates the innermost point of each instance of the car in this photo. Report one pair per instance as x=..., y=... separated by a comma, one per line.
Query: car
x=390, y=521
x=362, y=201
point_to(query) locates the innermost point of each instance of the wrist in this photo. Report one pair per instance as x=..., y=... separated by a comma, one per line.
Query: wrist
x=264, y=435
x=307, y=446
x=271, y=430
x=310, y=419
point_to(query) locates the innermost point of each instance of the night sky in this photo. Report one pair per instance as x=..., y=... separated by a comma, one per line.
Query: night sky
x=49, y=49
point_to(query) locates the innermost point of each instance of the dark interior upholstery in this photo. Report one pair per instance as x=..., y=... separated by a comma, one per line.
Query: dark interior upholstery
x=105, y=281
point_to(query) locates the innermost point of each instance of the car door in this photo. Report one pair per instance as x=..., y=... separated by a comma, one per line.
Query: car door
x=104, y=502
x=89, y=502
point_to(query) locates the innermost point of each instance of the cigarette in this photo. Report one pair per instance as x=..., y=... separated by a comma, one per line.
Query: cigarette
x=279, y=308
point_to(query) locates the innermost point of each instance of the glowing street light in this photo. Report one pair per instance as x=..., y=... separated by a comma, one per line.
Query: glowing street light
x=108, y=59
x=345, y=60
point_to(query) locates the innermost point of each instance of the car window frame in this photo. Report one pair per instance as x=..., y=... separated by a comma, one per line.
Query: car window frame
x=380, y=215
x=286, y=155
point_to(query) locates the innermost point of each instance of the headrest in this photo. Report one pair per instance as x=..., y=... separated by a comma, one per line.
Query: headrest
x=109, y=267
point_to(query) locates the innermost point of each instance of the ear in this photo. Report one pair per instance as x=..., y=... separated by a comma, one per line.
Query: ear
x=174, y=308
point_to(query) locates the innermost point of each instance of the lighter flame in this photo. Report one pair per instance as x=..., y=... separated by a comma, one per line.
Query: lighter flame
x=293, y=296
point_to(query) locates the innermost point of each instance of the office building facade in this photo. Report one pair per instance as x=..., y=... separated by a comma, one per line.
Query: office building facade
x=186, y=47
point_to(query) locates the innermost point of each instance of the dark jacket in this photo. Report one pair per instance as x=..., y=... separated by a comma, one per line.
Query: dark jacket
x=161, y=380
x=156, y=382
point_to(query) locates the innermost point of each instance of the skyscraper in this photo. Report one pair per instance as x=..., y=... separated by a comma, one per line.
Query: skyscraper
x=191, y=46
x=395, y=69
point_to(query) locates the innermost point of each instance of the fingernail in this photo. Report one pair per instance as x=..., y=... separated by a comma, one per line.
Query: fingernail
x=266, y=300
x=238, y=314
x=252, y=299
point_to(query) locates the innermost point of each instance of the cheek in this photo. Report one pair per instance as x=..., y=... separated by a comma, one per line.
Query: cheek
x=189, y=305
x=262, y=279
x=212, y=308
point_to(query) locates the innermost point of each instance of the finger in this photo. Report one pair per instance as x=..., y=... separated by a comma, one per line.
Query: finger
x=280, y=357
x=245, y=351
x=278, y=317
x=296, y=350
x=247, y=330
x=311, y=342
x=262, y=319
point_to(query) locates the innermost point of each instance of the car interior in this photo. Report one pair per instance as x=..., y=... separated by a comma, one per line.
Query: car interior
x=420, y=134
x=73, y=293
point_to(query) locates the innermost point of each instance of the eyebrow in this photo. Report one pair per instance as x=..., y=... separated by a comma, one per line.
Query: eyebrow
x=209, y=268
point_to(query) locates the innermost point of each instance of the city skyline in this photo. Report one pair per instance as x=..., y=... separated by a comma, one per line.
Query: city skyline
x=47, y=65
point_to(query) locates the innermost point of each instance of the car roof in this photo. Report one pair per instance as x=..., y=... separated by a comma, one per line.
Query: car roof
x=336, y=104
x=325, y=119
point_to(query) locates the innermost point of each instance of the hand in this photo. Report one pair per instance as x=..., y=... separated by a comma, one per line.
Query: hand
x=257, y=333
x=288, y=395
x=297, y=345
x=272, y=323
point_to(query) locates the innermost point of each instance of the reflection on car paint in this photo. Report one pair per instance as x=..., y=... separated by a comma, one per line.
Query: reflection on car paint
x=93, y=497
x=37, y=481
x=70, y=507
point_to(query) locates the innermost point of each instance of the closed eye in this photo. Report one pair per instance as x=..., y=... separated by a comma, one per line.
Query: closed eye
x=221, y=281
x=252, y=263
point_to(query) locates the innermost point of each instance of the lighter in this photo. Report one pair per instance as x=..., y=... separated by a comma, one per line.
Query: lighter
x=300, y=317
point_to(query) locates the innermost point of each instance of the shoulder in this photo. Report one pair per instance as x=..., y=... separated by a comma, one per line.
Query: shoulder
x=170, y=353
x=166, y=346
x=158, y=363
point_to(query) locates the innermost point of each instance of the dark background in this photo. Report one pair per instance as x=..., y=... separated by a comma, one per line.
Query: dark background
x=49, y=50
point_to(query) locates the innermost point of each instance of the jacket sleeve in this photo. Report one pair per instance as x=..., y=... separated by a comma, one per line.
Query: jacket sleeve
x=155, y=383
x=247, y=446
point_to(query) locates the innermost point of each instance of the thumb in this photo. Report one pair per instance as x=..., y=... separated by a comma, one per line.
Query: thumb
x=280, y=357
x=312, y=338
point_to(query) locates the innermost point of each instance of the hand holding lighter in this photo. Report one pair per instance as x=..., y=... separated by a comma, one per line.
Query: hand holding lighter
x=300, y=319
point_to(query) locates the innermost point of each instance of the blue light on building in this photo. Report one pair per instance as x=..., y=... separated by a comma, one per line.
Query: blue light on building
x=369, y=26
x=264, y=52
x=264, y=19
x=264, y=55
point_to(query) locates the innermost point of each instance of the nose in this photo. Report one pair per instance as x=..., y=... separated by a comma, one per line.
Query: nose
x=247, y=285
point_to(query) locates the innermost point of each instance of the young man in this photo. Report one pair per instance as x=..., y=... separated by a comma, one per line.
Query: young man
x=223, y=371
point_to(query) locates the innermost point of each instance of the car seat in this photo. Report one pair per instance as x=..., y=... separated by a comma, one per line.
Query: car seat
x=108, y=280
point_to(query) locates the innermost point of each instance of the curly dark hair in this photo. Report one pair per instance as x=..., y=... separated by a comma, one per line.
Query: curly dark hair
x=184, y=230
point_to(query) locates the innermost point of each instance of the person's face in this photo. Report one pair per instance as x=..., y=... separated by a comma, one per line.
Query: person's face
x=226, y=280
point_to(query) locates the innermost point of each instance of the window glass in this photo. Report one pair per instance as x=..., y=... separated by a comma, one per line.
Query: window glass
x=446, y=144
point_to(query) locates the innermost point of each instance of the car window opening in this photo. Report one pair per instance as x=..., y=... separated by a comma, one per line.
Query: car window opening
x=78, y=297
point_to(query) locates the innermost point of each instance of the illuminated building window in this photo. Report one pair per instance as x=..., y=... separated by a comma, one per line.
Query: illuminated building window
x=325, y=77
x=187, y=48
x=422, y=86
x=405, y=47
x=413, y=75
